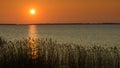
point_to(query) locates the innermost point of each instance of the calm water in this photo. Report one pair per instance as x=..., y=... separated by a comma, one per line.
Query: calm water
x=85, y=34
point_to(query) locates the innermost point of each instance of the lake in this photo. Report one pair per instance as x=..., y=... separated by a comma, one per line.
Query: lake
x=80, y=34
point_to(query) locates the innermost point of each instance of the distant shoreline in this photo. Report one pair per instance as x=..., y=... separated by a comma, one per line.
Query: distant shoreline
x=67, y=24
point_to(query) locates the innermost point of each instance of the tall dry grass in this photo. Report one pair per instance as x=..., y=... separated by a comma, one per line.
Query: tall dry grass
x=47, y=53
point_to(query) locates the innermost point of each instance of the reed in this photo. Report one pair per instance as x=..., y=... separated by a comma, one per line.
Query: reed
x=47, y=53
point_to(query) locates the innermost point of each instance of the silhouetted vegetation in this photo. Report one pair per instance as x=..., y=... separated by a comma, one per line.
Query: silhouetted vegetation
x=46, y=53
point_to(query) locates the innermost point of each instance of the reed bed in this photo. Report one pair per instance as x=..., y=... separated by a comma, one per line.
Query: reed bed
x=47, y=53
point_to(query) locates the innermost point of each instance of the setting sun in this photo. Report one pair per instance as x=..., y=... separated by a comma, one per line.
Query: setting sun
x=32, y=11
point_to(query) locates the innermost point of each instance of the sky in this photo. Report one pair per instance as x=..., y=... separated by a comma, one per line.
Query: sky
x=59, y=11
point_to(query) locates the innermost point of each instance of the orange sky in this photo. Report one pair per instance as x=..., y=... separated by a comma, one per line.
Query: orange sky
x=55, y=11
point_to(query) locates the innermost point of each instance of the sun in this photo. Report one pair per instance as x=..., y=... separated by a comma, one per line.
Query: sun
x=32, y=11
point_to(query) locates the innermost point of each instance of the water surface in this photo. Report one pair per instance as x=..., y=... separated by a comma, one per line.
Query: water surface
x=85, y=34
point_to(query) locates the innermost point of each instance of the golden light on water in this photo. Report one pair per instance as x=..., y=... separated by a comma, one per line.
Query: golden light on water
x=33, y=49
x=32, y=31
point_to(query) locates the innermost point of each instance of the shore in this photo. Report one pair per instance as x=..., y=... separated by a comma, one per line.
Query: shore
x=47, y=53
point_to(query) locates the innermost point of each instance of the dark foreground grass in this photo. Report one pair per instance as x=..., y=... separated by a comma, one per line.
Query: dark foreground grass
x=46, y=53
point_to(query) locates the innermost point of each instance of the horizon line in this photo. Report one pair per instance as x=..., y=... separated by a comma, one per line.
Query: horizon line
x=56, y=23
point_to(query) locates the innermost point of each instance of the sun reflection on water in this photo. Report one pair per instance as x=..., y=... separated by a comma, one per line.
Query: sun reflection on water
x=33, y=49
